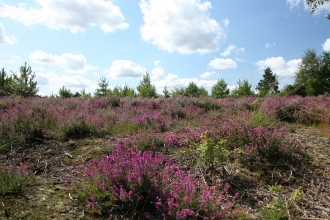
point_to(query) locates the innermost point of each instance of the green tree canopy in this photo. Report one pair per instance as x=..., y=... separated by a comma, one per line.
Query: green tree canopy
x=177, y=92
x=269, y=83
x=290, y=90
x=145, y=88
x=315, y=4
x=64, y=92
x=103, y=88
x=5, y=82
x=84, y=94
x=314, y=73
x=166, y=92
x=23, y=84
x=123, y=91
x=194, y=90
x=242, y=89
x=220, y=89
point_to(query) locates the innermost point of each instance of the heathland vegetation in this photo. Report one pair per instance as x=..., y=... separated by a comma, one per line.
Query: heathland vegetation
x=180, y=155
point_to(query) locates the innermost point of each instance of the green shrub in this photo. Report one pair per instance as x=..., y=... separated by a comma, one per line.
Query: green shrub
x=65, y=93
x=14, y=180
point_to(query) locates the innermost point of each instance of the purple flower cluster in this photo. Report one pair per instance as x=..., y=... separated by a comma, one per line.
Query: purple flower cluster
x=142, y=182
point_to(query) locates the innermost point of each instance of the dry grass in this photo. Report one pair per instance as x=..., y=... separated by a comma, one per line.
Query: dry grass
x=324, y=129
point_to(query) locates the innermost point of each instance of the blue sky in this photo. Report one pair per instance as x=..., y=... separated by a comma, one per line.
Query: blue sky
x=76, y=42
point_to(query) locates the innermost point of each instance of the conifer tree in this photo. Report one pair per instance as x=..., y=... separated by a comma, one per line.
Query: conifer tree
x=268, y=84
x=220, y=89
x=5, y=82
x=102, y=89
x=145, y=88
x=23, y=84
x=242, y=89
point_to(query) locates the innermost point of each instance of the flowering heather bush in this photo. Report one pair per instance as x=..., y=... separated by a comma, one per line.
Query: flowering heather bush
x=304, y=110
x=154, y=121
x=142, y=183
x=31, y=119
x=13, y=179
x=255, y=147
x=152, y=140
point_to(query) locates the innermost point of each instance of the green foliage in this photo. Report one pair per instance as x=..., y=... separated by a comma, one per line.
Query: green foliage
x=65, y=93
x=275, y=189
x=84, y=94
x=314, y=73
x=242, y=89
x=203, y=92
x=213, y=152
x=145, y=88
x=5, y=82
x=78, y=129
x=290, y=90
x=261, y=118
x=102, y=89
x=166, y=92
x=315, y=4
x=195, y=91
x=178, y=92
x=220, y=89
x=14, y=179
x=281, y=207
x=23, y=84
x=192, y=89
x=123, y=91
x=268, y=84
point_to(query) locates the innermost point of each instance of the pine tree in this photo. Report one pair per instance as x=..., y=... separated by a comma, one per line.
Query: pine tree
x=166, y=92
x=195, y=91
x=220, y=89
x=5, y=82
x=65, y=93
x=145, y=88
x=102, y=89
x=242, y=89
x=23, y=84
x=268, y=84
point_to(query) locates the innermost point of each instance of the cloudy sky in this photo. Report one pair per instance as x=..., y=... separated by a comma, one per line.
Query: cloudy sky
x=76, y=42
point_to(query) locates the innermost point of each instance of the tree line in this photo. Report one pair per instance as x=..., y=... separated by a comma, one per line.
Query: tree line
x=311, y=79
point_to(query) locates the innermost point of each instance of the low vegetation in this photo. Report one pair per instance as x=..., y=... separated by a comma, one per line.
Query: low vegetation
x=138, y=171
x=122, y=154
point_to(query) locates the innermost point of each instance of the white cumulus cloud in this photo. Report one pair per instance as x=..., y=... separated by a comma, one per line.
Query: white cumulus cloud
x=125, y=69
x=184, y=26
x=53, y=82
x=74, y=15
x=157, y=73
x=232, y=48
x=279, y=66
x=221, y=64
x=207, y=74
x=71, y=62
x=326, y=45
x=5, y=39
